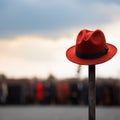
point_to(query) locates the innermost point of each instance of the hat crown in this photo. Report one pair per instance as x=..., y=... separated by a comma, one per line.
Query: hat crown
x=90, y=42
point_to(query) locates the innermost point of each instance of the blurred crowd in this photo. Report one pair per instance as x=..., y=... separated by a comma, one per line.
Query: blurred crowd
x=70, y=91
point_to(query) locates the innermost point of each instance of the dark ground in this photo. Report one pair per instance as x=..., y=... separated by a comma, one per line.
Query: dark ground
x=56, y=113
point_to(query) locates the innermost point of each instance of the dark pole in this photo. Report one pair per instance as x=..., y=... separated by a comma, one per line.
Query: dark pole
x=92, y=92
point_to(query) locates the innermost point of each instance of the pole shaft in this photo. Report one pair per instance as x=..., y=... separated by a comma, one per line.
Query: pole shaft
x=92, y=92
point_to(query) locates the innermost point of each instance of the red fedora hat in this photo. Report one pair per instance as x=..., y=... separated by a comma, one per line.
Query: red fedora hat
x=91, y=48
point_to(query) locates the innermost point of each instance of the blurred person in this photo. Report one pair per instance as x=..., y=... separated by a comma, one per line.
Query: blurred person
x=99, y=94
x=48, y=92
x=84, y=94
x=4, y=90
x=74, y=93
x=40, y=92
x=66, y=92
x=60, y=93
x=118, y=85
x=116, y=93
x=14, y=94
x=80, y=89
x=106, y=92
x=25, y=94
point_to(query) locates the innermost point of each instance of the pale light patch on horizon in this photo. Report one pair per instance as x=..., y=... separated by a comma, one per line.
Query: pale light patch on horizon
x=28, y=56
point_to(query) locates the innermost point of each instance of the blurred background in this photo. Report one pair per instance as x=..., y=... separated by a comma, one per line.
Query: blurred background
x=34, y=71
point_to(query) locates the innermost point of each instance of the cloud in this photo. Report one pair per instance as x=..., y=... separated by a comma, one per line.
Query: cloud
x=32, y=55
x=42, y=17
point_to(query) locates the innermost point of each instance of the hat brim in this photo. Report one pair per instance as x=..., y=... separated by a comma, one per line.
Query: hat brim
x=70, y=53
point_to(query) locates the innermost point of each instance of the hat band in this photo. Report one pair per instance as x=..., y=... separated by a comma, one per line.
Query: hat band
x=92, y=56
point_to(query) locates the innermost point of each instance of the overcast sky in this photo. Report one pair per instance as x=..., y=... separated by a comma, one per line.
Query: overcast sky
x=35, y=34
x=45, y=17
